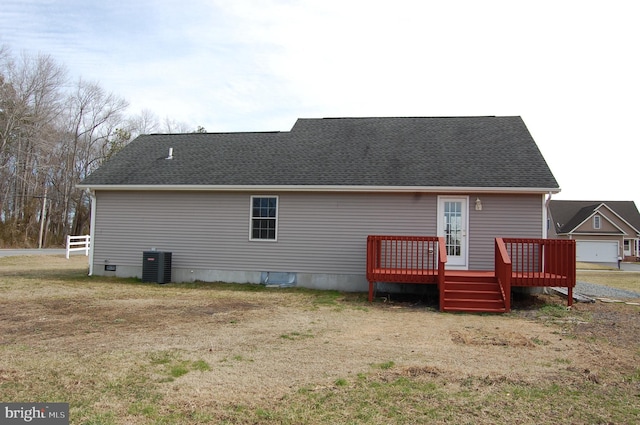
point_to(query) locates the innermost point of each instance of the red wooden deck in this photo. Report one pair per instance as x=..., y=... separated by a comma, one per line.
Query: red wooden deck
x=518, y=262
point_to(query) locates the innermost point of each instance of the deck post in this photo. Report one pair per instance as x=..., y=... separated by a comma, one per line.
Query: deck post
x=503, y=270
x=442, y=260
x=569, y=296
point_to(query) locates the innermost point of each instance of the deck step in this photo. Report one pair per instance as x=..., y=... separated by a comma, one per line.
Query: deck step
x=473, y=305
x=456, y=294
x=475, y=310
x=472, y=286
x=479, y=294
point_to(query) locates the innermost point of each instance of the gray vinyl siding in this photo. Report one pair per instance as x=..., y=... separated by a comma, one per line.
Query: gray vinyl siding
x=512, y=216
x=317, y=233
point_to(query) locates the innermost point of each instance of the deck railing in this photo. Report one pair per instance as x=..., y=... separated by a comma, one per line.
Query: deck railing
x=411, y=257
x=404, y=259
x=503, y=269
x=518, y=262
x=542, y=262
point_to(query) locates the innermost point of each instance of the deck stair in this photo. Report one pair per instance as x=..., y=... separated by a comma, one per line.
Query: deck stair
x=472, y=292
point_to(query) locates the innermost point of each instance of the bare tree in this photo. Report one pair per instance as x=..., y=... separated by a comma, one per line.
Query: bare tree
x=92, y=121
x=144, y=123
x=52, y=135
x=172, y=126
x=31, y=88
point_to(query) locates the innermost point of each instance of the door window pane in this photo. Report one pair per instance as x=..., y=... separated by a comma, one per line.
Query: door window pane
x=453, y=227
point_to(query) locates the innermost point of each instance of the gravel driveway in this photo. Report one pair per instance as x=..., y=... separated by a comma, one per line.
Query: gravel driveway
x=601, y=291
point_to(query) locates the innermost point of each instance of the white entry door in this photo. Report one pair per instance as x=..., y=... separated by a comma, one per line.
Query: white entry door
x=452, y=225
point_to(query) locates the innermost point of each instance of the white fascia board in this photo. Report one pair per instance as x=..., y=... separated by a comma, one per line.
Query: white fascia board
x=597, y=234
x=319, y=188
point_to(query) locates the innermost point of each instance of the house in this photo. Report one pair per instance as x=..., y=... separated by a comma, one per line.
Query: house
x=296, y=207
x=604, y=230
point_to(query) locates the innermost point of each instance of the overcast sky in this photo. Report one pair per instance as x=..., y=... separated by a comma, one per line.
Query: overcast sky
x=569, y=68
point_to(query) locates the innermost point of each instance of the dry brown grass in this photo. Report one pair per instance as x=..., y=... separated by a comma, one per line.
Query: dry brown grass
x=593, y=266
x=124, y=352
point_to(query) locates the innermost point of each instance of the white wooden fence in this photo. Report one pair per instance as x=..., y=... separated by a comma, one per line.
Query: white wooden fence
x=78, y=243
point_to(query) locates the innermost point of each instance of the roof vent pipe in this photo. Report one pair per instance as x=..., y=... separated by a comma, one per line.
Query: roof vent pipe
x=170, y=154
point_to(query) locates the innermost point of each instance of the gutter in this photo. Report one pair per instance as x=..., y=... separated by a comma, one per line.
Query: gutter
x=318, y=188
x=545, y=217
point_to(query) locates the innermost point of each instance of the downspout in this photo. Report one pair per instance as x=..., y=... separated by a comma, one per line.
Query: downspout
x=545, y=217
x=92, y=230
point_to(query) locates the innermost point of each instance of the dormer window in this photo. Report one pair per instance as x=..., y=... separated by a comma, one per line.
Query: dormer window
x=596, y=222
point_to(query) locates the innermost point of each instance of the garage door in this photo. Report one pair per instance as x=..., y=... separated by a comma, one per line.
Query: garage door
x=597, y=252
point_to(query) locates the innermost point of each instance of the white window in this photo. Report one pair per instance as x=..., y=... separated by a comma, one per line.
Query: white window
x=264, y=218
x=596, y=222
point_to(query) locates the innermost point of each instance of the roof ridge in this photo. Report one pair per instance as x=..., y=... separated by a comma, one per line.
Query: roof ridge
x=214, y=132
x=413, y=116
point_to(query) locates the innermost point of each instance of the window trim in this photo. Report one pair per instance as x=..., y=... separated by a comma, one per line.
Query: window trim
x=251, y=218
x=597, y=222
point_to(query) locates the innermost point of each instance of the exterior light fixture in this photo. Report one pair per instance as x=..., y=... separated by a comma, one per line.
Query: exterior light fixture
x=478, y=204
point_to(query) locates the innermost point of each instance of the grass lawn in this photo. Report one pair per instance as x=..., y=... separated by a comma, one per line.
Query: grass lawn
x=125, y=352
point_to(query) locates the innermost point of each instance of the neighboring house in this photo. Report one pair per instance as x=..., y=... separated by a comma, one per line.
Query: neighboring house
x=296, y=207
x=604, y=230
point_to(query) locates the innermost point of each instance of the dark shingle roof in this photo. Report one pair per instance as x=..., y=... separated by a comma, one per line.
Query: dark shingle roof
x=567, y=215
x=482, y=152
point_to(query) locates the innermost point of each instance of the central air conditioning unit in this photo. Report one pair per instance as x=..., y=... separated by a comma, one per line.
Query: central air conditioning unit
x=156, y=266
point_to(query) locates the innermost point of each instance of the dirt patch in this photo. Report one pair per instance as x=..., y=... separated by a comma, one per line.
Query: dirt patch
x=615, y=323
x=477, y=336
